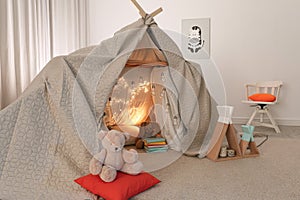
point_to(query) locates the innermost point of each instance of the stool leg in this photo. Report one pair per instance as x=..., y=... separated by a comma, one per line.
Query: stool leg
x=252, y=116
x=272, y=121
x=261, y=117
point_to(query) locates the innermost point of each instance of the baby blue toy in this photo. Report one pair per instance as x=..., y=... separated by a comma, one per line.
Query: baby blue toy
x=248, y=133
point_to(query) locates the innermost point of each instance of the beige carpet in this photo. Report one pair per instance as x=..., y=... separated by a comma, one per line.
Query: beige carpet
x=275, y=174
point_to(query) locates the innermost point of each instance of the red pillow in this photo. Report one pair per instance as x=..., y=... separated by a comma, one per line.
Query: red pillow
x=262, y=97
x=124, y=187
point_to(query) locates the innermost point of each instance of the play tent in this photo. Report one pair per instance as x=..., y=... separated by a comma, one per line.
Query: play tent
x=49, y=134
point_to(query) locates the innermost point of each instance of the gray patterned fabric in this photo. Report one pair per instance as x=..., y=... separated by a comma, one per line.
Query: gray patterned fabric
x=48, y=135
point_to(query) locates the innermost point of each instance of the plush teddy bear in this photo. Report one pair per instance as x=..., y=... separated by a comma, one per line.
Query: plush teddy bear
x=147, y=129
x=113, y=157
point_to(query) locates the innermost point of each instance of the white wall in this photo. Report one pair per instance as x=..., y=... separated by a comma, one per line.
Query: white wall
x=251, y=40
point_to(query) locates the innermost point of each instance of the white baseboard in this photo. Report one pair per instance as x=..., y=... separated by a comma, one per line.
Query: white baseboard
x=280, y=121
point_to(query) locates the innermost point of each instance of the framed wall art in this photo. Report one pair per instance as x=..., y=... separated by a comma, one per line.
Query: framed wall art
x=196, y=38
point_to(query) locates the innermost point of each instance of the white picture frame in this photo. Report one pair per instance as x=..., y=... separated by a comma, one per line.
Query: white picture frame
x=196, y=38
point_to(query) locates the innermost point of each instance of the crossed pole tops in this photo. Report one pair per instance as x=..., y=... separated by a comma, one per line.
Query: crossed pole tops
x=142, y=11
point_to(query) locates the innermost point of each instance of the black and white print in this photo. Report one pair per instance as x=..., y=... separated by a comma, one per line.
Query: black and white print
x=196, y=38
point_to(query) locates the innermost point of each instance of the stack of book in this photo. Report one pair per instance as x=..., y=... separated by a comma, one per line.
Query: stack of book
x=152, y=145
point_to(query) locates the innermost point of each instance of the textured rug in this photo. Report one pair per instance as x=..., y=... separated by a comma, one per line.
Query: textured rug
x=273, y=175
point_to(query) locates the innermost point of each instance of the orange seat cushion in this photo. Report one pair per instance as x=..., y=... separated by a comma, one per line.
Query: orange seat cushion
x=262, y=97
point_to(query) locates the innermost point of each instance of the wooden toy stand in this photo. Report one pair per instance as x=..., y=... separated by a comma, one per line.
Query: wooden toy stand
x=251, y=146
x=224, y=128
x=247, y=145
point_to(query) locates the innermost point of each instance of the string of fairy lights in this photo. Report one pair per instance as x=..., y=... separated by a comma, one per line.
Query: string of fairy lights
x=130, y=100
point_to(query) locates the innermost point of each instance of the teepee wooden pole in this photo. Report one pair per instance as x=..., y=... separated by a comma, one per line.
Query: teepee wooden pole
x=143, y=13
x=141, y=10
x=156, y=12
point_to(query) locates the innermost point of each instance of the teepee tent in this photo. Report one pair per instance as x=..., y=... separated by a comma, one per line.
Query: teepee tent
x=48, y=135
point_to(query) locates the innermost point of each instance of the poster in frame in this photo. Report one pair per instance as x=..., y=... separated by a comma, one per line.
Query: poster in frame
x=196, y=38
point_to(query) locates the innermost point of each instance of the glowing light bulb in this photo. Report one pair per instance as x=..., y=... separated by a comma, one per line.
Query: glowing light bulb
x=132, y=84
x=175, y=120
x=141, y=79
x=163, y=78
x=153, y=90
x=146, y=90
x=167, y=107
x=162, y=93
